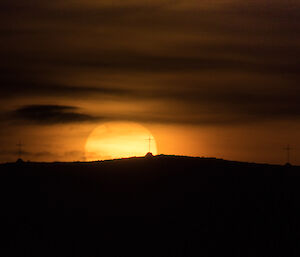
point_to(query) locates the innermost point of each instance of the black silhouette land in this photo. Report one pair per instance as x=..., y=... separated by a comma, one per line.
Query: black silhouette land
x=154, y=206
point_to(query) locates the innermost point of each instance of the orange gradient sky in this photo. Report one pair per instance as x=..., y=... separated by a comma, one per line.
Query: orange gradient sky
x=215, y=78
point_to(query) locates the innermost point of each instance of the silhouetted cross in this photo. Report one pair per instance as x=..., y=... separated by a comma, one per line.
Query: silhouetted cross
x=149, y=139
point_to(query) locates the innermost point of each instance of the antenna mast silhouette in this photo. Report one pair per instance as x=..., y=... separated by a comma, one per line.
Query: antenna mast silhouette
x=288, y=153
x=20, y=145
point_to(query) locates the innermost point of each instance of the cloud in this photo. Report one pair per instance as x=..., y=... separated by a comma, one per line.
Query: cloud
x=201, y=47
x=52, y=114
x=16, y=83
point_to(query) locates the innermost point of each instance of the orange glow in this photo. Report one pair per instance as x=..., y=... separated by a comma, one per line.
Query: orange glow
x=114, y=140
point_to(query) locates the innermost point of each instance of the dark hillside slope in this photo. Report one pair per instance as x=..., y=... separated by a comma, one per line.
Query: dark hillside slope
x=160, y=206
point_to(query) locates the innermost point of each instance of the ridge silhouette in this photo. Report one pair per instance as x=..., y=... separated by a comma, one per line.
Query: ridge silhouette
x=158, y=206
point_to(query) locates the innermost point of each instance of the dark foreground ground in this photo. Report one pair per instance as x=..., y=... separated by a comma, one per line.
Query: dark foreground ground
x=161, y=206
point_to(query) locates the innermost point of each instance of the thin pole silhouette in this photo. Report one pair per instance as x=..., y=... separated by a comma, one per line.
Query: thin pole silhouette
x=20, y=145
x=288, y=153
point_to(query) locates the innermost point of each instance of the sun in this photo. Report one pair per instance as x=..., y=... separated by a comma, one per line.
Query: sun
x=113, y=140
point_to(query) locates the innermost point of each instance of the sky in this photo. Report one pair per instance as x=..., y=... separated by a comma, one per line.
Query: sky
x=213, y=78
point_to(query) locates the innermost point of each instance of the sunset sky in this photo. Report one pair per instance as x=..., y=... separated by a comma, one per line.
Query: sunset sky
x=214, y=78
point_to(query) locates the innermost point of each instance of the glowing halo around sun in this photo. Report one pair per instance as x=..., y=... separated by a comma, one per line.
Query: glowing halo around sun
x=113, y=140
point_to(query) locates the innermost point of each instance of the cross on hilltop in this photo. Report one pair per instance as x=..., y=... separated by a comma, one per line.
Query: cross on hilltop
x=149, y=139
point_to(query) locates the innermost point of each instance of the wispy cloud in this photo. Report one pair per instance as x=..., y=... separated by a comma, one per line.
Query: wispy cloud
x=52, y=114
x=189, y=57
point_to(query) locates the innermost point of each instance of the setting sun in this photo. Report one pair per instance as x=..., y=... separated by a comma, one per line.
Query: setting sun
x=119, y=140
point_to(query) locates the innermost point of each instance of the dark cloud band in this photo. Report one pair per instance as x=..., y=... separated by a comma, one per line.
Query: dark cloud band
x=51, y=114
x=43, y=42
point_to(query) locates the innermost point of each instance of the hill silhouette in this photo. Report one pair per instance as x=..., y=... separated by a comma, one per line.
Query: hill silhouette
x=158, y=206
